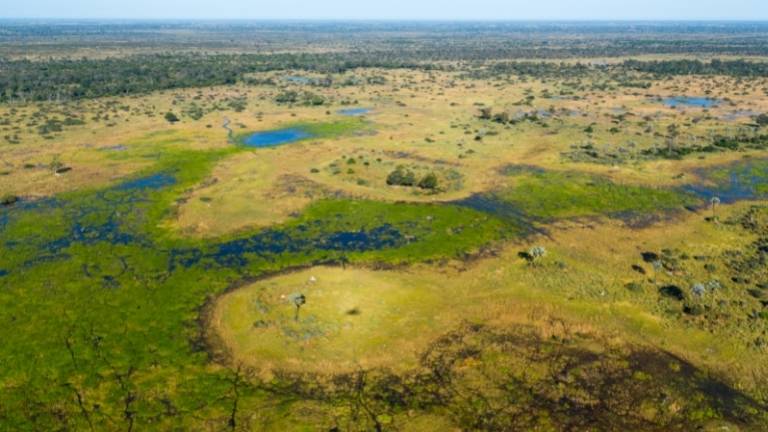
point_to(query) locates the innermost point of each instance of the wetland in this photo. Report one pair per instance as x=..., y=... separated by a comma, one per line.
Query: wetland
x=239, y=244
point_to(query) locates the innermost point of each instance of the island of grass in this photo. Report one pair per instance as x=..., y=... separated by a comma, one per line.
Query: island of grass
x=417, y=334
x=353, y=318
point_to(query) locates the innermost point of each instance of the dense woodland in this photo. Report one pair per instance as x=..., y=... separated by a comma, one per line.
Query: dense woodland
x=40, y=63
x=91, y=78
x=474, y=51
x=45, y=62
x=67, y=79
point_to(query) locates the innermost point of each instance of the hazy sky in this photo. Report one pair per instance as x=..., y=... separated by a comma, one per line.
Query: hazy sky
x=391, y=9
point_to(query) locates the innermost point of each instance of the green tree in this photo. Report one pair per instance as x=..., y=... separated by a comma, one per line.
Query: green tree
x=298, y=300
x=401, y=177
x=673, y=131
x=486, y=113
x=429, y=181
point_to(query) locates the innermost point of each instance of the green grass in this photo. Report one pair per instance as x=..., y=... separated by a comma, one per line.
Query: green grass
x=110, y=324
x=352, y=317
x=333, y=128
x=430, y=231
x=104, y=335
x=551, y=195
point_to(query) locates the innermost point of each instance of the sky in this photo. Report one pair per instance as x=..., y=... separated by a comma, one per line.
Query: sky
x=392, y=9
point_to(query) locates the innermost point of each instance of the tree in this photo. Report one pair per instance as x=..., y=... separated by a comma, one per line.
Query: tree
x=672, y=133
x=171, y=117
x=534, y=254
x=401, y=177
x=429, y=181
x=56, y=164
x=289, y=97
x=537, y=253
x=298, y=300
x=502, y=117
x=714, y=202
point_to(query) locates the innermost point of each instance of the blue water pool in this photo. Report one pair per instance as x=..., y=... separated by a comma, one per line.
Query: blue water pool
x=276, y=137
x=354, y=111
x=297, y=79
x=685, y=101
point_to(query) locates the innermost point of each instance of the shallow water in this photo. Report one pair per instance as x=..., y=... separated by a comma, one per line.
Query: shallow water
x=155, y=181
x=276, y=137
x=117, y=216
x=744, y=180
x=298, y=79
x=693, y=102
x=489, y=203
x=354, y=111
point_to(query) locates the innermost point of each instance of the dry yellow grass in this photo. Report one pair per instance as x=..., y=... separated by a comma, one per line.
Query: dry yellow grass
x=580, y=284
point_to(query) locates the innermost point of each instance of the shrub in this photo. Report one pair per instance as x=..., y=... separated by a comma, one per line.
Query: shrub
x=429, y=181
x=287, y=97
x=533, y=255
x=401, y=177
x=8, y=199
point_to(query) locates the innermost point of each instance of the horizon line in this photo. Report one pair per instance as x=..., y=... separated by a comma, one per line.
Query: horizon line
x=414, y=20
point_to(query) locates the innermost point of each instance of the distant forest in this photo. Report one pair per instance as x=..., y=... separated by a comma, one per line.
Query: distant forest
x=25, y=80
x=48, y=61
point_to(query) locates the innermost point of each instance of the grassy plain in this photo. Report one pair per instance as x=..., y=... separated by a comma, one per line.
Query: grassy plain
x=170, y=320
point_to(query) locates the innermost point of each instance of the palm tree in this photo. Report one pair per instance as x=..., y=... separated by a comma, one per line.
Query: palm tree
x=298, y=300
x=673, y=132
x=714, y=202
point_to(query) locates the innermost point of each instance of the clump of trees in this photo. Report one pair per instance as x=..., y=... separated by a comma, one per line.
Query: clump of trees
x=503, y=117
x=737, y=68
x=303, y=98
x=403, y=176
x=429, y=182
x=68, y=79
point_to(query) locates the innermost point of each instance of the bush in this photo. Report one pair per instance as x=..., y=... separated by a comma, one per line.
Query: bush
x=287, y=97
x=171, y=117
x=429, y=181
x=8, y=199
x=401, y=177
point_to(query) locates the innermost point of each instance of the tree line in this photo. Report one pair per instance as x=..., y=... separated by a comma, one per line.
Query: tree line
x=67, y=79
x=72, y=79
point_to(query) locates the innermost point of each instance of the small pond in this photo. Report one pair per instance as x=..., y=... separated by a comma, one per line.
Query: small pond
x=155, y=181
x=276, y=137
x=354, y=111
x=692, y=102
x=298, y=79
